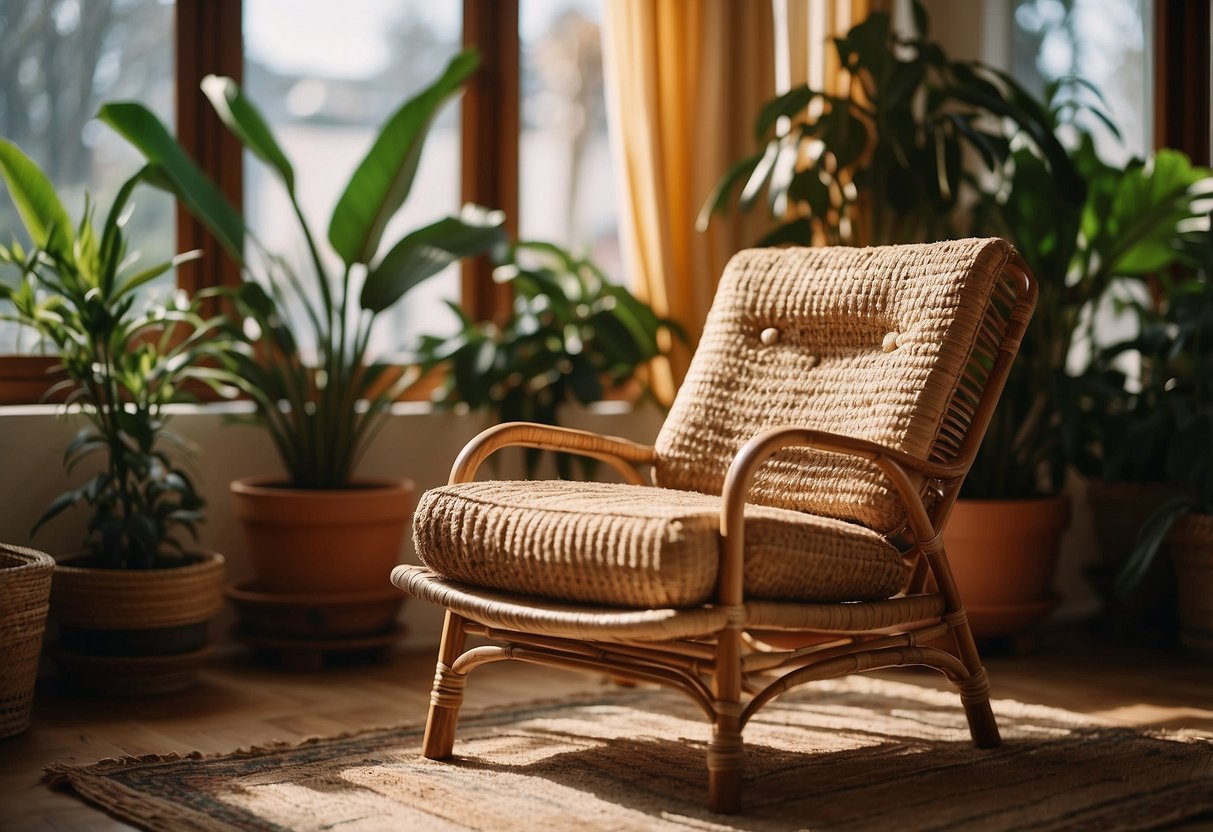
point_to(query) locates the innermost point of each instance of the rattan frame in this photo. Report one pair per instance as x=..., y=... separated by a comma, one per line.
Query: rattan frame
x=707, y=652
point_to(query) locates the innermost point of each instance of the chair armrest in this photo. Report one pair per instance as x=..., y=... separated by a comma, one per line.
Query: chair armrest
x=621, y=454
x=896, y=465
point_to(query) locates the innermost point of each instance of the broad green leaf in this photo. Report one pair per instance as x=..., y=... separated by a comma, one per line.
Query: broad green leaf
x=200, y=196
x=244, y=120
x=1148, y=205
x=33, y=193
x=136, y=280
x=383, y=180
x=791, y=102
x=428, y=251
x=718, y=200
x=760, y=175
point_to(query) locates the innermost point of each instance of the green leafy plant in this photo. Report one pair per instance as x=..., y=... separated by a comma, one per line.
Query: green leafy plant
x=1176, y=343
x=1127, y=228
x=570, y=334
x=930, y=148
x=321, y=410
x=896, y=160
x=123, y=364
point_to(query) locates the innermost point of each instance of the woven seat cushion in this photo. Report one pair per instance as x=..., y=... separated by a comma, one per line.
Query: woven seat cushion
x=638, y=546
x=865, y=342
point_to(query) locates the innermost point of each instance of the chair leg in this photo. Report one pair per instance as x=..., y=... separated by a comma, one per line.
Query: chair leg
x=975, y=691
x=447, y=694
x=726, y=753
x=726, y=762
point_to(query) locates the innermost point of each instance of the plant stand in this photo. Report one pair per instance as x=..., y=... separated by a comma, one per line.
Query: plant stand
x=311, y=631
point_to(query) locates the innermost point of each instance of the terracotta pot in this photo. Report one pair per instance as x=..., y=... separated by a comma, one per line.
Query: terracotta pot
x=134, y=631
x=313, y=541
x=25, y=586
x=1191, y=543
x=1003, y=555
x=1118, y=511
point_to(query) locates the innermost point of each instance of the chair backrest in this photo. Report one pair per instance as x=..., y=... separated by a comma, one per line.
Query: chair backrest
x=876, y=343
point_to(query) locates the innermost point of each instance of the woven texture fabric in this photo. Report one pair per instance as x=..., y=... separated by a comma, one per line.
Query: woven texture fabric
x=639, y=546
x=866, y=342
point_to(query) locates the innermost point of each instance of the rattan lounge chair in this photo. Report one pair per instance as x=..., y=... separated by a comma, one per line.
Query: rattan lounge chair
x=800, y=483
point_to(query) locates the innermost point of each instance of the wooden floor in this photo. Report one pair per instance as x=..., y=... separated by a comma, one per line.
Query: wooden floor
x=238, y=704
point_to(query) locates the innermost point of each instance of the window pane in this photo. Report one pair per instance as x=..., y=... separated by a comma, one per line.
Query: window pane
x=566, y=181
x=59, y=59
x=1100, y=41
x=327, y=75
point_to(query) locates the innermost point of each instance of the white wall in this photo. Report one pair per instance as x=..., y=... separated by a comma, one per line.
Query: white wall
x=416, y=443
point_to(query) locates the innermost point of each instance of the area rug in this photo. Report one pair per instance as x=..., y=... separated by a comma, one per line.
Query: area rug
x=859, y=753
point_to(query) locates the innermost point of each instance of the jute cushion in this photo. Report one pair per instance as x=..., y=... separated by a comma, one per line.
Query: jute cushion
x=638, y=546
x=866, y=342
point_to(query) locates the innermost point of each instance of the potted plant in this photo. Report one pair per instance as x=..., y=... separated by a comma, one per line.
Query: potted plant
x=571, y=336
x=320, y=530
x=133, y=609
x=1176, y=342
x=934, y=148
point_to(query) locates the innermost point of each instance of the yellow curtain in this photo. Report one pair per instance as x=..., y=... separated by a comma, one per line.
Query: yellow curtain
x=685, y=80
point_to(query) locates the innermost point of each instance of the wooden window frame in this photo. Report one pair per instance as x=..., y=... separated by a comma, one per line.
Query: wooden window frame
x=208, y=38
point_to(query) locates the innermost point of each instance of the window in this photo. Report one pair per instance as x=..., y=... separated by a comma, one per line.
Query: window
x=1104, y=42
x=59, y=59
x=567, y=192
x=326, y=83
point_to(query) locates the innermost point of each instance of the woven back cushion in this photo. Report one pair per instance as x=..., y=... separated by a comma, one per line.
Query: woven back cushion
x=866, y=342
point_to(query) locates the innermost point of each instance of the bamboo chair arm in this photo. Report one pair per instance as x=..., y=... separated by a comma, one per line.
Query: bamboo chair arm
x=903, y=470
x=623, y=455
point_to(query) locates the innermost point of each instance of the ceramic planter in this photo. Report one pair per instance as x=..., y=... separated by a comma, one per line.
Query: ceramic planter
x=25, y=586
x=1003, y=555
x=305, y=541
x=1191, y=543
x=134, y=631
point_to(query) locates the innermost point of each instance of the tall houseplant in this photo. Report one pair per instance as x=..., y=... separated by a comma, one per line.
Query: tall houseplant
x=931, y=148
x=123, y=365
x=318, y=390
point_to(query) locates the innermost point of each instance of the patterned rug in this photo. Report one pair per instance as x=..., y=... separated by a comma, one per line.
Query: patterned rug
x=858, y=753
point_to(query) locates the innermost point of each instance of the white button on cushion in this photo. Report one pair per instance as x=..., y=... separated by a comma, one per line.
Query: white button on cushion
x=769, y=336
x=890, y=342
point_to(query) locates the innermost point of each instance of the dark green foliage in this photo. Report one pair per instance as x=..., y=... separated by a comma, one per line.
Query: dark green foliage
x=935, y=149
x=569, y=330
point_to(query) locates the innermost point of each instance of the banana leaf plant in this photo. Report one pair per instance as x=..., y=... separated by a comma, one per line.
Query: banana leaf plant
x=321, y=410
x=124, y=361
x=571, y=334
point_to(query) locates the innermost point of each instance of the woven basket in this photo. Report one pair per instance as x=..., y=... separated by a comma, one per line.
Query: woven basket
x=25, y=585
x=138, y=599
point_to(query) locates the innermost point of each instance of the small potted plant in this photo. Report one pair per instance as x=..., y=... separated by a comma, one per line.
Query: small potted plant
x=322, y=539
x=571, y=336
x=133, y=609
